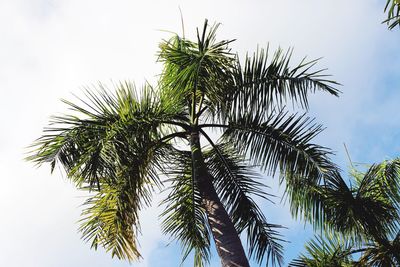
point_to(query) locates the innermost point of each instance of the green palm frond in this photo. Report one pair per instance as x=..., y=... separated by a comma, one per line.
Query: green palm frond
x=360, y=212
x=116, y=145
x=90, y=143
x=280, y=141
x=196, y=69
x=323, y=252
x=385, y=176
x=382, y=254
x=113, y=145
x=236, y=182
x=110, y=220
x=264, y=84
x=283, y=142
x=393, y=13
x=184, y=217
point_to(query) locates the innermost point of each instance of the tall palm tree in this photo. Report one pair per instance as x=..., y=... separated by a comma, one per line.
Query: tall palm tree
x=393, y=13
x=366, y=214
x=124, y=145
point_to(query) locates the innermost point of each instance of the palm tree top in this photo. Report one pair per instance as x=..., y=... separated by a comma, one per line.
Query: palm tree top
x=124, y=145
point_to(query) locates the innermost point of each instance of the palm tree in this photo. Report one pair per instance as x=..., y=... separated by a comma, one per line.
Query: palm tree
x=123, y=146
x=365, y=214
x=393, y=13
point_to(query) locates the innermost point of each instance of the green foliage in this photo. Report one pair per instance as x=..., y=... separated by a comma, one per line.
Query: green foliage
x=393, y=14
x=123, y=145
x=334, y=252
x=367, y=214
x=236, y=182
x=184, y=216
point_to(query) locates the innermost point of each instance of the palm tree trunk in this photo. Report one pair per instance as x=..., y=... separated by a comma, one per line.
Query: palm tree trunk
x=226, y=238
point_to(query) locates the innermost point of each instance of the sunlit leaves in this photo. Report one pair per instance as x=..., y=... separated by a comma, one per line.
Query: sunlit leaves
x=184, y=217
x=110, y=220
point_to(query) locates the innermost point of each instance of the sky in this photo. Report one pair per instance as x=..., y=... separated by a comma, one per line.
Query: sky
x=51, y=49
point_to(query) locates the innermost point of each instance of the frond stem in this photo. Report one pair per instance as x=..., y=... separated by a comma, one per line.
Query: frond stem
x=180, y=124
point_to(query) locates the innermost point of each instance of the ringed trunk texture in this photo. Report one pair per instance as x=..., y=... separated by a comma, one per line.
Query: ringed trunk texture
x=227, y=241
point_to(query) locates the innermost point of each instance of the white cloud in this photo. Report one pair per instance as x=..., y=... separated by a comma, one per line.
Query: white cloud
x=51, y=48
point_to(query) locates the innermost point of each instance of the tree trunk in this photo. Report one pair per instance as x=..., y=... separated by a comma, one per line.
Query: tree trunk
x=227, y=241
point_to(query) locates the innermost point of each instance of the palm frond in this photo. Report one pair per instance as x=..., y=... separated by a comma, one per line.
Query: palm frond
x=264, y=84
x=283, y=142
x=280, y=141
x=362, y=212
x=236, y=182
x=110, y=220
x=113, y=145
x=196, y=71
x=184, y=217
x=386, y=178
x=392, y=8
x=332, y=251
x=89, y=144
x=382, y=254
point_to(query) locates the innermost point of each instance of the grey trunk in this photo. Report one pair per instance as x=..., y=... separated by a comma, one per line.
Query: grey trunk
x=226, y=238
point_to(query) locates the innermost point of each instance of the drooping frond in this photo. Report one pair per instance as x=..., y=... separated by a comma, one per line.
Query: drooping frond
x=236, y=182
x=261, y=84
x=280, y=141
x=184, y=217
x=110, y=220
x=110, y=145
x=283, y=143
x=322, y=252
x=362, y=212
x=393, y=13
x=382, y=254
x=88, y=143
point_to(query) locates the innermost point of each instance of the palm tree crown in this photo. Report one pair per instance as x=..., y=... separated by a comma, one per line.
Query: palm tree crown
x=123, y=146
x=359, y=220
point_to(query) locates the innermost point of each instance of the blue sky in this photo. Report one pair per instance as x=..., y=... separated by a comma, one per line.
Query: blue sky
x=49, y=49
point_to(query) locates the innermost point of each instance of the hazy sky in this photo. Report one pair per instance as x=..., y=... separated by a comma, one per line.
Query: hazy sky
x=50, y=49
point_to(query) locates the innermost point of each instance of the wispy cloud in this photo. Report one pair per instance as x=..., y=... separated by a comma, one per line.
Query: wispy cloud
x=51, y=48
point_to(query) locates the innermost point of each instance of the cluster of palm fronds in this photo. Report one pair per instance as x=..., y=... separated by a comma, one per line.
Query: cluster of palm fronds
x=361, y=221
x=393, y=13
x=122, y=146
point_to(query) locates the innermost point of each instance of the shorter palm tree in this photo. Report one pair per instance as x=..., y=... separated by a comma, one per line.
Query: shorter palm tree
x=365, y=214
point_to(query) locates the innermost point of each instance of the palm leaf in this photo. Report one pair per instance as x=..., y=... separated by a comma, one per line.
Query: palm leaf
x=261, y=84
x=184, y=217
x=236, y=182
x=114, y=146
x=321, y=252
x=110, y=220
x=392, y=8
x=282, y=142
